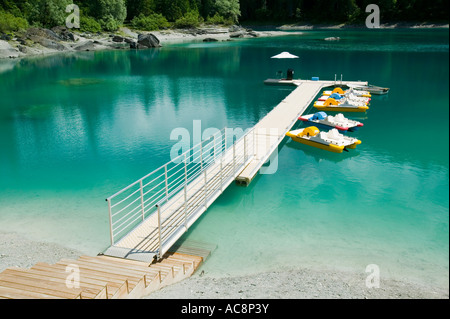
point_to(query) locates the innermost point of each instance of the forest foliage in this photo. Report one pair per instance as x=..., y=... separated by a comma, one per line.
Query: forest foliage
x=109, y=15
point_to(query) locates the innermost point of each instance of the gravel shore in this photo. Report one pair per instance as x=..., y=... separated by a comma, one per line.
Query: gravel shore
x=295, y=284
x=18, y=251
x=301, y=283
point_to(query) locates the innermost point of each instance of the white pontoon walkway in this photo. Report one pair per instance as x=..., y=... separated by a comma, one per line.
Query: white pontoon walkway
x=150, y=215
x=271, y=130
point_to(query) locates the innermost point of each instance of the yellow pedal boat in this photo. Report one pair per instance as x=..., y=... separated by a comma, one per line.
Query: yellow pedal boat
x=331, y=141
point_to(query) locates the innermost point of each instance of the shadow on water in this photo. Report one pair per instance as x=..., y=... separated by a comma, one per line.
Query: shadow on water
x=321, y=155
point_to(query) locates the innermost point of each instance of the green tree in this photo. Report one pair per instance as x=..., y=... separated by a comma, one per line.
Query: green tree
x=229, y=9
x=109, y=12
x=9, y=22
x=48, y=13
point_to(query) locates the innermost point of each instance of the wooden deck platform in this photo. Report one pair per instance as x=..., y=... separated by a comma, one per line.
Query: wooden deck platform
x=102, y=277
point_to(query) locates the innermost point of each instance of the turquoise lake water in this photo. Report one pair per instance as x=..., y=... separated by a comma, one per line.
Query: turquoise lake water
x=76, y=128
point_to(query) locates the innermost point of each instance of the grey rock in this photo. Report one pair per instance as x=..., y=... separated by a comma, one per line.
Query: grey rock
x=22, y=49
x=50, y=44
x=234, y=28
x=7, y=51
x=117, y=38
x=237, y=34
x=210, y=40
x=5, y=37
x=148, y=40
x=85, y=46
x=33, y=33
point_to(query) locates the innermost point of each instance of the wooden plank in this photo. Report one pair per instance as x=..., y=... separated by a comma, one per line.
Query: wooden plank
x=39, y=287
x=90, y=291
x=136, y=280
x=149, y=273
x=14, y=293
x=116, y=286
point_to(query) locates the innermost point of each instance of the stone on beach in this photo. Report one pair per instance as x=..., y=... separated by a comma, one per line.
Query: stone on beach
x=148, y=40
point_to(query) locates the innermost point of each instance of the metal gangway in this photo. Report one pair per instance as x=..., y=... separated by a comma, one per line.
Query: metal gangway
x=148, y=216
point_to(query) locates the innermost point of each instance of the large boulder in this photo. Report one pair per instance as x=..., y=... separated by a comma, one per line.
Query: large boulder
x=148, y=40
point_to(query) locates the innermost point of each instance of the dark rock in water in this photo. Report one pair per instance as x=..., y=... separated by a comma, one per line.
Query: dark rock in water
x=85, y=46
x=117, y=38
x=332, y=39
x=128, y=40
x=148, y=40
x=210, y=40
x=252, y=34
x=135, y=45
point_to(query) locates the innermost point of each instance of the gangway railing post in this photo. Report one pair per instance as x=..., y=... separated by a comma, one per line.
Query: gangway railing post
x=142, y=199
x=110, y=222
x=254, y=143
x=206, y=184
x=185, y=192
x=167, y=184
x=159, y=232
x=221, y=170
x=245, y=148
x=234, y=157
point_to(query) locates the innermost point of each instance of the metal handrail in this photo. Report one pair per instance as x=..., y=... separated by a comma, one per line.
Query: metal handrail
x=171, y=180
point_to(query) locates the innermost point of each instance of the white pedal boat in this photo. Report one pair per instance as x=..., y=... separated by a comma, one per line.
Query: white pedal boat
x=350, y=90
x=339, y=121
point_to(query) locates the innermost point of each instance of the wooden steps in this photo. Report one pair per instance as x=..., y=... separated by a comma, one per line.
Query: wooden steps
x=99, y=277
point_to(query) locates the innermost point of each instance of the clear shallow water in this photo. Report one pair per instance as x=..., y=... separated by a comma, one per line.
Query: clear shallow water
x=75, y=128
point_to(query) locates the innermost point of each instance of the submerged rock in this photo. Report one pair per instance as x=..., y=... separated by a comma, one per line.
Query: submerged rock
x=332, y=39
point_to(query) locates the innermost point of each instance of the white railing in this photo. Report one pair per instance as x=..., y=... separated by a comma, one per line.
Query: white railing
x=176, y=191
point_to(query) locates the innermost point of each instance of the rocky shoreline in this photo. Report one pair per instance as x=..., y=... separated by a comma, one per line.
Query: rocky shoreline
x=40, y=41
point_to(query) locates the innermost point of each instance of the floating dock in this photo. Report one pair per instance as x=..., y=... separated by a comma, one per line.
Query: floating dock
x=271, y=130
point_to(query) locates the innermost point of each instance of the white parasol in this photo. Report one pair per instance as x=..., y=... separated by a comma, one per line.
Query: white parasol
x=284, y=55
